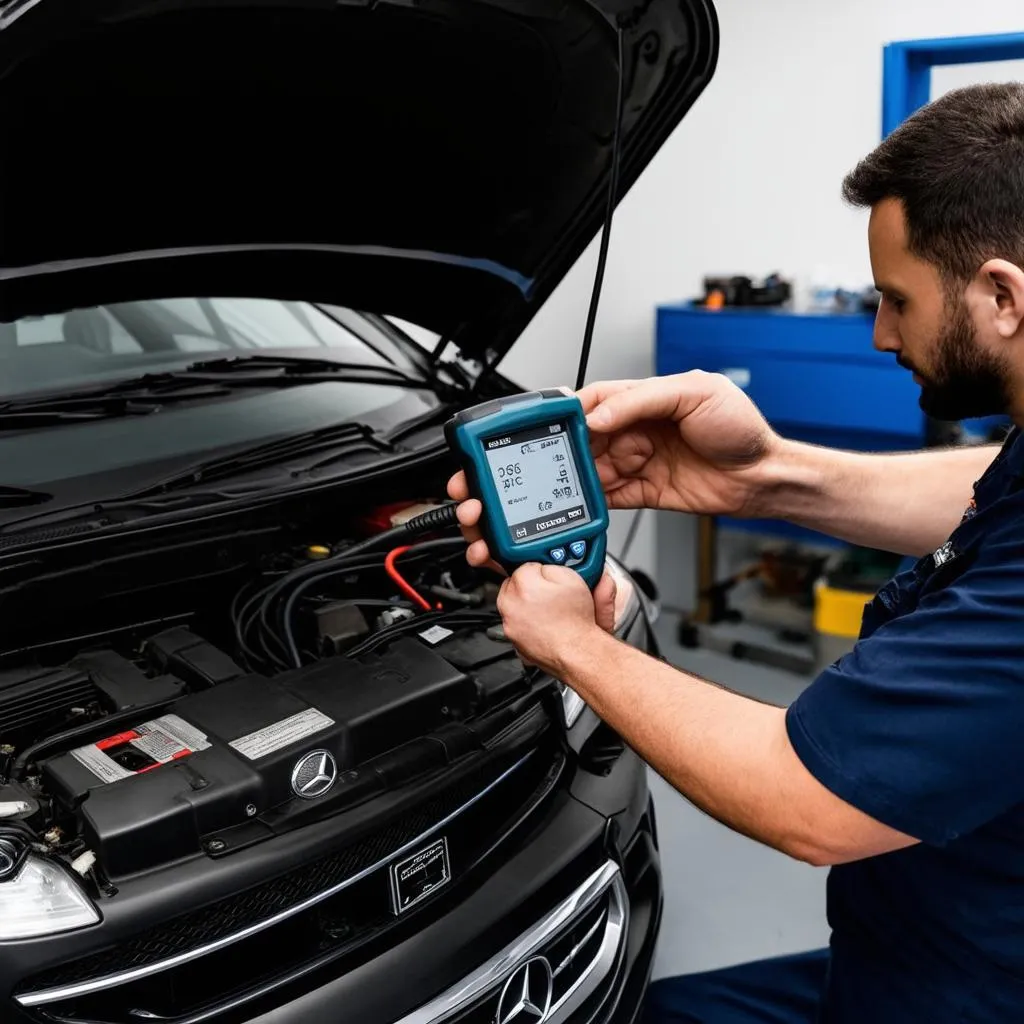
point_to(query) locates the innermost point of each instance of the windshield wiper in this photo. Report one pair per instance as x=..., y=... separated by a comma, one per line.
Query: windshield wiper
x=187, y=488
x=340, y=439
x=214, y=378
x=17, y=497
x=296, y=364
x=58, y=409
x=303, y=369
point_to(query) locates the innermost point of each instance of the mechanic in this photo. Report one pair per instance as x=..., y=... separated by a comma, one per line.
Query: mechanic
x=902, y=765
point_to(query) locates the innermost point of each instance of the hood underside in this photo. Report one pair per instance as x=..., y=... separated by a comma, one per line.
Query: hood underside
x=443, y=162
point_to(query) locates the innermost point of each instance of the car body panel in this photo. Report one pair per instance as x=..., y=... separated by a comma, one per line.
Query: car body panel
x=445, y=161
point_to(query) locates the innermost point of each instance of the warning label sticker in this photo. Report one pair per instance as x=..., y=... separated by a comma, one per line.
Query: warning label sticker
x=436, y=634
x=102, y=766
x=281, y=734
x=141, y=749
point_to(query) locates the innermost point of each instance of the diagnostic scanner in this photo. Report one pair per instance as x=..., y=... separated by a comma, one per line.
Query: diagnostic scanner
x=527, y=458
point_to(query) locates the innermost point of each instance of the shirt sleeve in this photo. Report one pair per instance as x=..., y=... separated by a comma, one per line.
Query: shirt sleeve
x=921, y=726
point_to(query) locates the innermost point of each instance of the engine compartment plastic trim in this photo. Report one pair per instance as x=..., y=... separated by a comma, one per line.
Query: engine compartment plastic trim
x=52, y=995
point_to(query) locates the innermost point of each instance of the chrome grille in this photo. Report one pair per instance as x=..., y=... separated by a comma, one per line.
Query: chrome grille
x=580, y=947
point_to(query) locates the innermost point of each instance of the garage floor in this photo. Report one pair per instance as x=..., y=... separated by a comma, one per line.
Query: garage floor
x=728, y=899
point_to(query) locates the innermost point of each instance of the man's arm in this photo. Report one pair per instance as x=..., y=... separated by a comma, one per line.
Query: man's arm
x=728, y=754
x=905, y=503
x=694, y=442
x=913, y=735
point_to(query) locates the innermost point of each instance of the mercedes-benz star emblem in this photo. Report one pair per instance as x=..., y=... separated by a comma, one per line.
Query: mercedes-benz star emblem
x=526, y=997
x=8, y=858
x=314, y=774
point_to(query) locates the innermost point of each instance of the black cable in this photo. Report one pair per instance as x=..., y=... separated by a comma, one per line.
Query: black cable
x=238, y=609
x=84, y=731
x=432, y=520
x=276, y=648
x=613, y=188
x=456, y=619
x=289, y=605
x=246, y=621
x=315, y=569
x=280, y=633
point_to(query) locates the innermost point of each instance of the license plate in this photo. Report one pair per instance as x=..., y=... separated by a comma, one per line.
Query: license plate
x=415, y=877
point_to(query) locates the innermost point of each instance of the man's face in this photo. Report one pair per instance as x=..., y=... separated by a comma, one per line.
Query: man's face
x=931, y=333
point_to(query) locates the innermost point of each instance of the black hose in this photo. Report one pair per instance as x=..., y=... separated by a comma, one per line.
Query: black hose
x=434, y=519
x=456, y=619
x=84, y=732
x=275, y=630
x=291, y=648
x=289, y=606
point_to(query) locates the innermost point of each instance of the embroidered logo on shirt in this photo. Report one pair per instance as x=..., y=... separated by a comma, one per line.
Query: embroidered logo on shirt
x=944, y=554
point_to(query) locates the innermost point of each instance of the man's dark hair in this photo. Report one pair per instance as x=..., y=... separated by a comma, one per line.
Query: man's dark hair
x=957, y=165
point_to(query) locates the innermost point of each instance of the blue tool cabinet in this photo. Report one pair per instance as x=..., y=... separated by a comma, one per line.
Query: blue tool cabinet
x=814, y=376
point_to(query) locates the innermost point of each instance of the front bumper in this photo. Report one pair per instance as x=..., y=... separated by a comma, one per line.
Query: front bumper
x=583, y=886
x=605, y=922
x=580, y=881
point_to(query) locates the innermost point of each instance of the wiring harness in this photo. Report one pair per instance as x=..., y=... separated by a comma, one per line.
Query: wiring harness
x=263, y=614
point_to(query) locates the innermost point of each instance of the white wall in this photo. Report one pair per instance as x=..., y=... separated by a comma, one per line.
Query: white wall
x=749, y=182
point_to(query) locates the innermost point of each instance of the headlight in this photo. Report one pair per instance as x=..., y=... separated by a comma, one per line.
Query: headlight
x=627, y=604
x=40, y=899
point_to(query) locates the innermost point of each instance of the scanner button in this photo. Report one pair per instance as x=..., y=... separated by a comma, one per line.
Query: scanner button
x=578, y=548
x=557, y=555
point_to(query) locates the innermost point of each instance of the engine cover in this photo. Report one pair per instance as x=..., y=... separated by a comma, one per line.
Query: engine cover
x=221, y=758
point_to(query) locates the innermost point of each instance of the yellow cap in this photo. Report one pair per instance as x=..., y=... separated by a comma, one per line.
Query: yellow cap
x=318, y=551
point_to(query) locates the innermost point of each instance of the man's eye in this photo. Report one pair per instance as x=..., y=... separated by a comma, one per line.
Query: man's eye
x=897, y=304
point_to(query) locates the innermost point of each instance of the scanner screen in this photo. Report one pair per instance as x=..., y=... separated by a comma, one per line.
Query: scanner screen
x=537, y=480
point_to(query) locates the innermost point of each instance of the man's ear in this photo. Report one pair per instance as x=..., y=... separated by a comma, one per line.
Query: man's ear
x=1001, y=284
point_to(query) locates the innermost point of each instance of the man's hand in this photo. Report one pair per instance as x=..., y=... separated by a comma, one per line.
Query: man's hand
x=469, y=512
x=692, y=442
x=548, y=609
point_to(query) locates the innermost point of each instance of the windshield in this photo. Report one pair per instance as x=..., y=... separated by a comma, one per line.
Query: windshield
x=83, y=348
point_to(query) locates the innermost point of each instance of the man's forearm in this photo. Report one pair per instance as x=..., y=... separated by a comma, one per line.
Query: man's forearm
x=906, y=503
x=728, y=754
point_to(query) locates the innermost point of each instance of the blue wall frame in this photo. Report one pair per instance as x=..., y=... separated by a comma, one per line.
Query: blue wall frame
x=907, y=72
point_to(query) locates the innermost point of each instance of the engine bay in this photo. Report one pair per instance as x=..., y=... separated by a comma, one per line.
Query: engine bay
x=335, y=671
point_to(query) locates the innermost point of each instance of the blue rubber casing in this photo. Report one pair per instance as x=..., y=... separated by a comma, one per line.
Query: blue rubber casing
x=466, y=433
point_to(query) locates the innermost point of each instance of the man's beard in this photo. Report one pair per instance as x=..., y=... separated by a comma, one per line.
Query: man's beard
x=965, y=381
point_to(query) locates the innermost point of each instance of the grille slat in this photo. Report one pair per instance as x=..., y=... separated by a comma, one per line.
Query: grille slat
x=581, y=958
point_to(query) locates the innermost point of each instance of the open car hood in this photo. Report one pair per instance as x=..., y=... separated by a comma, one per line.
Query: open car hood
x=442, y=161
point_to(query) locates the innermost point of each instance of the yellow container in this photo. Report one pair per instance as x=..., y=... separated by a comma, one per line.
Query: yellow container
x=839, y=612
x=837, y=621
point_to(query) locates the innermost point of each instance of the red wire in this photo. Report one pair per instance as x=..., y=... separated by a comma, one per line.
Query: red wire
x=409, y=591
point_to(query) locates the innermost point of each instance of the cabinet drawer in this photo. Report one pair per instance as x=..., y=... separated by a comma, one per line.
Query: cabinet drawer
x=811, y=373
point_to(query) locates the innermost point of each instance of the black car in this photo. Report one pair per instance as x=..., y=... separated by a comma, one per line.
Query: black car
x=265, y=754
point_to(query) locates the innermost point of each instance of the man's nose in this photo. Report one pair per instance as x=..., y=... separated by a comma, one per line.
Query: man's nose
x=886, y=336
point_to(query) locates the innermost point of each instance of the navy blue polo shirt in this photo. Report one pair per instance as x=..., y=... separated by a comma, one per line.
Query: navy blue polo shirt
x=921, y=726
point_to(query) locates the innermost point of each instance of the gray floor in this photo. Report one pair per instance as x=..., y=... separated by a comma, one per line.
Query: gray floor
x=728, y=899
